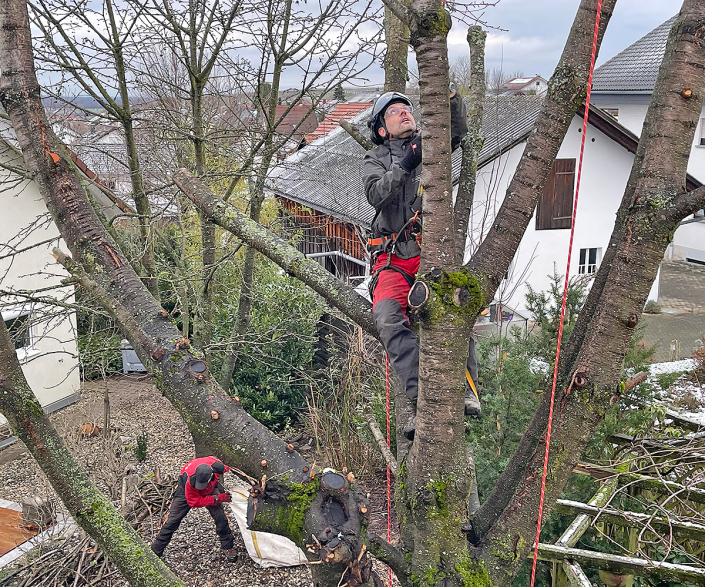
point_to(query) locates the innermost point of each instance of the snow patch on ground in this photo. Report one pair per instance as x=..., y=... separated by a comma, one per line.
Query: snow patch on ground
x=673, y=367
x=684, y=398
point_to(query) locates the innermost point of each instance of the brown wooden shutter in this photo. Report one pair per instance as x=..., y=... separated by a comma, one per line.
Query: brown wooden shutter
x=555, y=206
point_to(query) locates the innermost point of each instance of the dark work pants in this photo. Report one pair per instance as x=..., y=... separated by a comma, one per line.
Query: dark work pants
x=177, y=512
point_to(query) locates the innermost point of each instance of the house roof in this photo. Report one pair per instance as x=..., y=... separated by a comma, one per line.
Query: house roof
x=301, y=115
x=346, y=111
x=519, y=83
x=327, y=174
x=634, y=69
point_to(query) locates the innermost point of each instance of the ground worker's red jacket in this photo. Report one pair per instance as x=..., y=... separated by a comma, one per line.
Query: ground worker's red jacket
x=202, y=498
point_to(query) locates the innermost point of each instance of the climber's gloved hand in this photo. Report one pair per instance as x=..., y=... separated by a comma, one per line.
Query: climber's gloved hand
x=413, y=157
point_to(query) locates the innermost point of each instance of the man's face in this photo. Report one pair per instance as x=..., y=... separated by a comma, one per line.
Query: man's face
x=399, y=121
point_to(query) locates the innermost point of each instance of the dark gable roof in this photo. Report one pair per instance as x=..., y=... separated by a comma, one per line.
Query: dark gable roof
x=327, y=174
x=634, y=69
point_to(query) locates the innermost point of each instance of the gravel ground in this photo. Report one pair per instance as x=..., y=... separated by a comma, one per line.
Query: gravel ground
x=136, y=408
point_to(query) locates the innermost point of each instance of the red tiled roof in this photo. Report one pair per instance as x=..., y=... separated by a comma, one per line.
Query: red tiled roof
x=345, y=111
x=300, y=115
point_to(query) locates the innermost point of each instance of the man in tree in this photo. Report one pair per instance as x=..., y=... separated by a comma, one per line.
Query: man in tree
x=199, y=486
x=393, y=187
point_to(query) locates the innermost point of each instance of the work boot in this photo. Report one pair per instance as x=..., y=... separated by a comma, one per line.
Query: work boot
x=472, y=400
x=417, y=297
x=231, y=556
x=410, y=430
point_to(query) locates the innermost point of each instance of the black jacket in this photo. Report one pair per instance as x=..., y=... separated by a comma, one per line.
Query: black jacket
x=393, y=192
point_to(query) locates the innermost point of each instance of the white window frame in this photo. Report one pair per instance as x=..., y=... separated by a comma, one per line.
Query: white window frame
x=27, y=351
x=701, y=137
x=588, y=268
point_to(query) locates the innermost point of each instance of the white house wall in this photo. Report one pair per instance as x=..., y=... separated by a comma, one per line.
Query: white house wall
x=688, y=240
x=606, y=168
x=51, y=365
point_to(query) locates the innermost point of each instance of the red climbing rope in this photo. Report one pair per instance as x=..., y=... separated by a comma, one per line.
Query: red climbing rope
x=389, y=475
x=565, y=291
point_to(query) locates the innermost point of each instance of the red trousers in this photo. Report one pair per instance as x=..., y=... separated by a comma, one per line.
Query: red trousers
x=391, y=285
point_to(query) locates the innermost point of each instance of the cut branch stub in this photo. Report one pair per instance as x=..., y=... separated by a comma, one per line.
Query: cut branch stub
x=632, y=320
x=580, y=380
x=334, y=483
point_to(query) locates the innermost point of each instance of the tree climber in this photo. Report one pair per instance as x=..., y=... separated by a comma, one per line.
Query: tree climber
x=199, y=486
x=392, y=175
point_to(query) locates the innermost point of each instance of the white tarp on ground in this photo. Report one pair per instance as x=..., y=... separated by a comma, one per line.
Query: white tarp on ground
x=267, y=550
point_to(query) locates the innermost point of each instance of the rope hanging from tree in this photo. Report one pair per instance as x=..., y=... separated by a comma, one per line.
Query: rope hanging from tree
x=565, y=291
x=389, y=476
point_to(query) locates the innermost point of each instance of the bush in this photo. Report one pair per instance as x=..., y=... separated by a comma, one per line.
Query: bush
x=652, y=307
x=98, y=340
x=140, y=449
x=271, y=377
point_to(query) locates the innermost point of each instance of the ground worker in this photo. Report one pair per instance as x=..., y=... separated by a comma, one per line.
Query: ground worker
x=392, y=176
x=199, y=486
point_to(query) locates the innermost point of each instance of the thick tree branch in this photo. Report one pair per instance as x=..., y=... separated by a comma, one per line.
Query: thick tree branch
x=278, y=250
x=362, y=140
x=472, y=142
x=566, y=91
x=401, y=10
x=89, y=507
x=391, y=556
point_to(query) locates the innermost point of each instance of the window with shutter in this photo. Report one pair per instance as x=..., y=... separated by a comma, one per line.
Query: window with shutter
x=555, y=207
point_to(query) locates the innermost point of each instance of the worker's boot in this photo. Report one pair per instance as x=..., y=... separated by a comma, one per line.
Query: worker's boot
x=231, y=556
x=410, y=429
x=417, y=298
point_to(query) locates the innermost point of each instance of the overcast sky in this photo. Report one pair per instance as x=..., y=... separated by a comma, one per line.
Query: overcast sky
x=536, y=31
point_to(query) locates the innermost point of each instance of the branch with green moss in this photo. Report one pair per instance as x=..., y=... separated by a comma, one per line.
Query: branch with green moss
x=294, y=262
x=89, y=507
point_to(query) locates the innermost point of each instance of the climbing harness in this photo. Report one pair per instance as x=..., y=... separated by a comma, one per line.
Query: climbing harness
x=388, y=244
x=565, y=292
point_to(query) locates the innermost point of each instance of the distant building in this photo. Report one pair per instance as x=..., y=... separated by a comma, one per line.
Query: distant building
x=344, y=110
x=523, y=86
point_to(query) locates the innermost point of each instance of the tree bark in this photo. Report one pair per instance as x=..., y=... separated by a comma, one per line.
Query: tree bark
x=396, y=35
x=92, y=510
x=472, y=142
x=649, y=215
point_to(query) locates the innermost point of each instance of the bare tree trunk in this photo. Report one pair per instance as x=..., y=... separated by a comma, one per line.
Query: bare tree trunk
x=472, y=142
